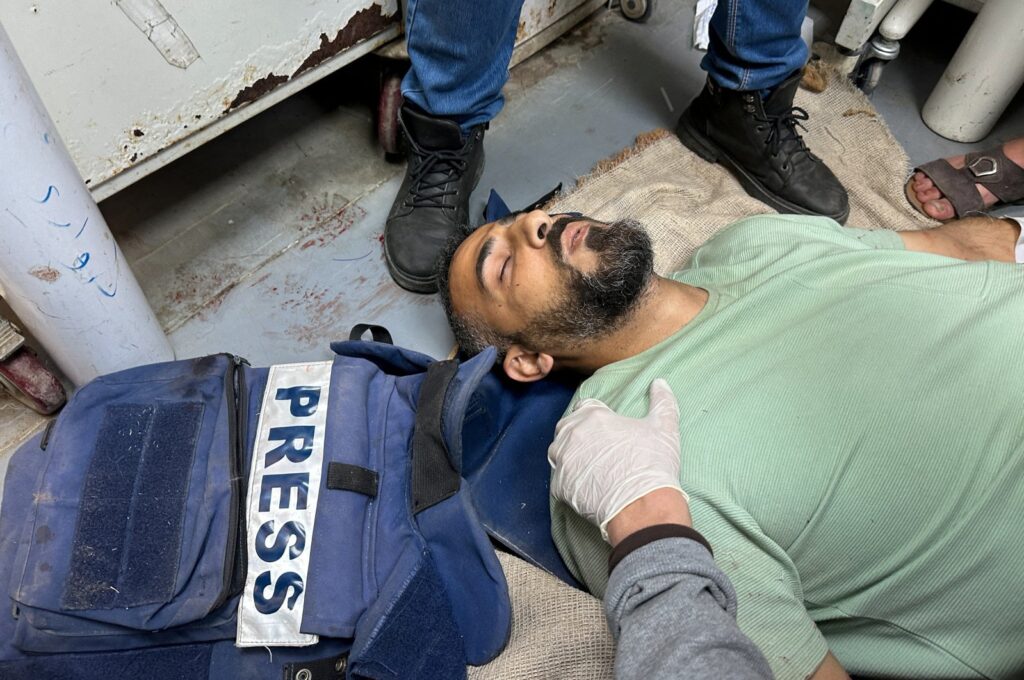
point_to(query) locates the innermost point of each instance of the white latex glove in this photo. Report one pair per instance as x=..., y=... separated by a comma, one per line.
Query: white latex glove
x=602, y=461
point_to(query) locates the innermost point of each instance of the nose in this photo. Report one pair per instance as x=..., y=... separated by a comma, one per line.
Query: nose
x=535, y=225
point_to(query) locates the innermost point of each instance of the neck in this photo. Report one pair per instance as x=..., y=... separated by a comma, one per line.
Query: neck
x=663, y=310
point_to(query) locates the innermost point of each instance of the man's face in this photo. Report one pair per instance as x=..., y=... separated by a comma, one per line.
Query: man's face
x=550, y=281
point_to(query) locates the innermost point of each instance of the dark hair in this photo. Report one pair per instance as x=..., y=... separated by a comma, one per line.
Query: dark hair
x=472, y=335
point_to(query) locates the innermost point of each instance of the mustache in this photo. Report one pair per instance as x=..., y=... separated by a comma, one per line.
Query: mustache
x=562, y=222
x=554, y=235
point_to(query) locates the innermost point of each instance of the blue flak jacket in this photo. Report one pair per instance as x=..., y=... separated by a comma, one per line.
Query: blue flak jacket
x=332, y=517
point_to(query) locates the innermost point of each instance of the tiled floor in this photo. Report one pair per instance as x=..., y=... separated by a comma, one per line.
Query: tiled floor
x=266, y=241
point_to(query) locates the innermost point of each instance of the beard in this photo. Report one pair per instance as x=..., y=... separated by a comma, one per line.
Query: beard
x=592, y=306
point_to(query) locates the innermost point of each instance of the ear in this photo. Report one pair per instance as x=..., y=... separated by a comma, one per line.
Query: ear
x=526, y=365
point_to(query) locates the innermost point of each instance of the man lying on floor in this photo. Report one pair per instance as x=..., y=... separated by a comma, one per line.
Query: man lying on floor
x=852, y=434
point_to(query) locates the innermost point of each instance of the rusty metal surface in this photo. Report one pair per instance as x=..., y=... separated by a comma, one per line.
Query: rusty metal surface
x=364, y=24
x=125, y=109
x=251, y=93
x=361, y=26
x=118, y=102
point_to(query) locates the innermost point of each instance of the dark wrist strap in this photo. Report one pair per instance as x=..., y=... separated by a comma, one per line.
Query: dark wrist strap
x=639, y=539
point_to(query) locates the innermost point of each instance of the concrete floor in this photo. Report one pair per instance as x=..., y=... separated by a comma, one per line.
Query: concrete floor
x=266, y=242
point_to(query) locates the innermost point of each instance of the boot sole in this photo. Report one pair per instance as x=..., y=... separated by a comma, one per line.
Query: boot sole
x=699, y=143
x=422, y=284
x=413, y=284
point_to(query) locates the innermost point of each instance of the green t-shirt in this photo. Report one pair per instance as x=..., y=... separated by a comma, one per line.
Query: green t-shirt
x=852, y=430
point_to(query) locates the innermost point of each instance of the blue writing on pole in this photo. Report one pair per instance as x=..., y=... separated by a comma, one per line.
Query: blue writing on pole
x=80, y=262
x=89, y=270
x=50, y=191
x=108, y=293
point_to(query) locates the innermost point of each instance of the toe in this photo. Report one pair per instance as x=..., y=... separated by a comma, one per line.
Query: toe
x=940, y=209
x=932, y=194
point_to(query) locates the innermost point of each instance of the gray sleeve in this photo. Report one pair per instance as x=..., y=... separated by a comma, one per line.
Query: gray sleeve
x=673, y=615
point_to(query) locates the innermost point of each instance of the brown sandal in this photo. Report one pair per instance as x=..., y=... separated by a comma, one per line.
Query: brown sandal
x=1000, y=175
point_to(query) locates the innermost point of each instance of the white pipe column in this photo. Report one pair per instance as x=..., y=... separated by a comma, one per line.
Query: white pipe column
x=902, y=17
x=60, y=269
x=985, y=73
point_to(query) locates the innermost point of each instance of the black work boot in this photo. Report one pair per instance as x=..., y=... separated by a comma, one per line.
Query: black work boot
x=444, y=167
x=757, y=140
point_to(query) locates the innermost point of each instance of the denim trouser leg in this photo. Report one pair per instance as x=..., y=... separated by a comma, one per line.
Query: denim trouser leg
x=460, y=51
x=755, y=44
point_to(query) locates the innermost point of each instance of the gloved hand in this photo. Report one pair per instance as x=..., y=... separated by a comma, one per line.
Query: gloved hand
x=602, y=461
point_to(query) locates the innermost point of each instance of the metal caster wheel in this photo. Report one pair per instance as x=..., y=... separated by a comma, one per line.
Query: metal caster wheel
x=24, y=376
x=877, y=53
x=389, y=131
x=637, y=10
x=869, y=74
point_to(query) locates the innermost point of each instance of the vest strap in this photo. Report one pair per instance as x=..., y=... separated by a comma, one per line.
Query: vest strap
x=378, y=333
x=434, y=478
x=346, y=477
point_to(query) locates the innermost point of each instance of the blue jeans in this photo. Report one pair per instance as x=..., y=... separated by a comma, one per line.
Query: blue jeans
x=460, y=51
x=755, y=44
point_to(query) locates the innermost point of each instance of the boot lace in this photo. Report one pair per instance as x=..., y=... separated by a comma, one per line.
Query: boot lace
x=783, y=135
x=430, y=173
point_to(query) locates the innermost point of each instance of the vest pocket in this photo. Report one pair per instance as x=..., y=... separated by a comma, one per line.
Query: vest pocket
x=133, y=512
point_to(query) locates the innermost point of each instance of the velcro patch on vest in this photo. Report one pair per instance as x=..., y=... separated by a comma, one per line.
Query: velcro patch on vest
x=281, y=507
x=129, y=528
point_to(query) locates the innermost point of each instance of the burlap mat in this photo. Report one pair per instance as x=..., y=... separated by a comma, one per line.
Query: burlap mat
x=558, y=632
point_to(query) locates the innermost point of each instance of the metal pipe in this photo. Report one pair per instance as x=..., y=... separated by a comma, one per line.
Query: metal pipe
x=902, y=17
x=985, y=73
x=60, y=269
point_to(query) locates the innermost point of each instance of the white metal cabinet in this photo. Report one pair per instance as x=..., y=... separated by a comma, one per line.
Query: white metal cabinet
x=133, y=84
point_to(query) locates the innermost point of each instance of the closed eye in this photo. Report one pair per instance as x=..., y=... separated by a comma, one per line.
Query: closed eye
x=504, y=268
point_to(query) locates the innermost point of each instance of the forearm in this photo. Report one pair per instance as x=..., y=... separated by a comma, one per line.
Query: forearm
x=672, y=613
x=973, y=238
x=661, y=506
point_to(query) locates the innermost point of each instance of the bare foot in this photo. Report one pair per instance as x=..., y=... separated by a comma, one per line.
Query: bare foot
x=937, y=206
